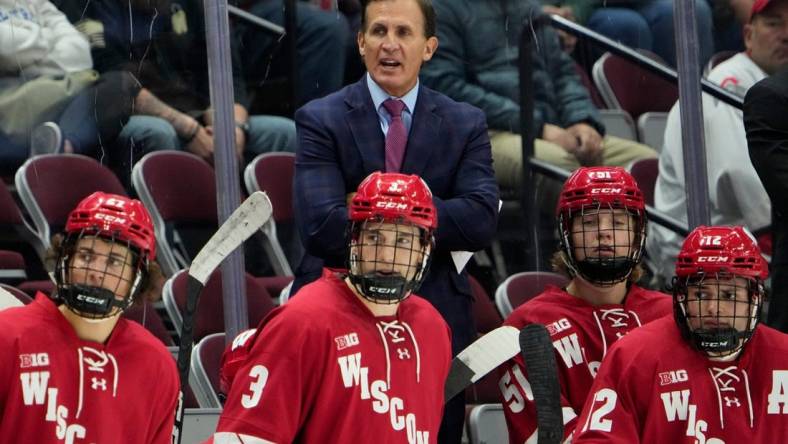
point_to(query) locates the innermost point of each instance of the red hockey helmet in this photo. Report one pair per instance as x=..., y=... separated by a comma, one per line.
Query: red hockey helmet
x=119, y=217
x=118, y=220
x=387, y=263
x=709, y=262
x=394, y=197
x=591, y=190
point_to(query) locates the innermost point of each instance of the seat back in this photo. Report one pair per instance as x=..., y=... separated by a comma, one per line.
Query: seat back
x=146, y=315
x=183, y=208
x=205, y=366
x=18, y=294
x=12, y=266
x=209, y=315
x=618, y=123
x=625, y=85
x=52, y=185
x=485, y=315
x=645, y=172
x=521, y=287
x=487, y=424
x=273, y=173
x=651, y=128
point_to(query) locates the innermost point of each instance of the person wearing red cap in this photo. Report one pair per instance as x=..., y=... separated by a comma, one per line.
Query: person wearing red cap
x=73, y=369
x=602, y=228
x=711, y=373
x=357, y=357
x=736, y=195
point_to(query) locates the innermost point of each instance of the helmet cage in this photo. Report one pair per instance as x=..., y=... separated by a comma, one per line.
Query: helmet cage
x=596, y=267
x=725, y=339
x=88, y=300
x=383, y=283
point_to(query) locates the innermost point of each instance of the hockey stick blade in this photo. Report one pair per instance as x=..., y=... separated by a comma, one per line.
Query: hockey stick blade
x=252, y=214
x=249, y=217
x=480, y=358
x=539, y=357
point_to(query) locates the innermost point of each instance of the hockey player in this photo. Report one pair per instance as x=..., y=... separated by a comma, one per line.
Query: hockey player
x=602, y=223
x=709, y=374
x=354, y=357
x=73, y=370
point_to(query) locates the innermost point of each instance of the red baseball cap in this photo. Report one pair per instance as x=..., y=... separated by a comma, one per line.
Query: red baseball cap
x=758, y=6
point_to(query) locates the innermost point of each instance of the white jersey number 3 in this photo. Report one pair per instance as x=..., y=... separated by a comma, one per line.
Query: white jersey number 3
x=259, y=376
x=597, y=421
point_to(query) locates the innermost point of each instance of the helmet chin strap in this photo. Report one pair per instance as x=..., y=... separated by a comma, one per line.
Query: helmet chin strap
x=605, y=272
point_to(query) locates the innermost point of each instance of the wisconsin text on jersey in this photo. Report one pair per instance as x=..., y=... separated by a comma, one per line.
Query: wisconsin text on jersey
x=99, y=371
x=355, y=375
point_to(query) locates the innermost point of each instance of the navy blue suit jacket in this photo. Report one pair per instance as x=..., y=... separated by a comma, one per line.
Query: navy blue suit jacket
x=340, y=142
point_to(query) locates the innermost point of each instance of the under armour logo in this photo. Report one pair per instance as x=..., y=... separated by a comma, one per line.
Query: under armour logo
x=403, y=353
x=730, y=401
x=96, y=383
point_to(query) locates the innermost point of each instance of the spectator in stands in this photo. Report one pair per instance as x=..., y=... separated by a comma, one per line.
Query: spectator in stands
x=321, y=48
x=729, y=16
x=645, y=24
x=765, y=111
x=736, y=194
x=477, y=64
x=46, y=75
x=162, y=43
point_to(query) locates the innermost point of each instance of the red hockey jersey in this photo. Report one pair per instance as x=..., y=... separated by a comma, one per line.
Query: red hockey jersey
x=654, y=388
x=57, y=388
x=322, y=368
x=582, y=334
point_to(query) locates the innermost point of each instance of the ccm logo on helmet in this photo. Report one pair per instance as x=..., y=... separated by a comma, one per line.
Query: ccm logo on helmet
x=710, y=259
x=391, y=205
x=605, y=190
x=110, y=218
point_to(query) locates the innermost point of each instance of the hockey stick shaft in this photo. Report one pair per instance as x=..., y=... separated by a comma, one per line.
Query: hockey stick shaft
x=249, y=217
x=539, y=357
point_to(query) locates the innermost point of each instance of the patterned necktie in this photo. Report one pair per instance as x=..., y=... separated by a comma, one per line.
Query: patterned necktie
x=396, y=137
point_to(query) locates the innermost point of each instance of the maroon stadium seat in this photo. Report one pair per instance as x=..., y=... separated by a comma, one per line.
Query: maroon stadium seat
x=625, y=85
x=17, y=293
x=51, y=185
x=645, y=172
x=209, y=316
x=205, y=365
x=147, y=316
x=273, y=173
x=183, y=208
x=12, y=266
x=520, y=287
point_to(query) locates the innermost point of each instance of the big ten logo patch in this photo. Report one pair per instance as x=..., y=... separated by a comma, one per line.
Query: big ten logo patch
x=672, y=377
x=345, y=341
x=558, y=326
x=28, y=360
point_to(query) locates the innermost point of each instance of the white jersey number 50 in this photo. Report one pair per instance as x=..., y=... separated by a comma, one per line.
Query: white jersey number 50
x=597, y=421
x=259, y=376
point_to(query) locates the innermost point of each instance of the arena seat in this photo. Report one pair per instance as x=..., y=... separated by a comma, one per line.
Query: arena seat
x=51, y=185
x=205, y=365
x=521, y=287
x=273, y=173
x=625, y=85
x=209, y=315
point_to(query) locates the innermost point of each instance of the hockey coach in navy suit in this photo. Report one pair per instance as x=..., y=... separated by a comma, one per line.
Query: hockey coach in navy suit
x=387, y=121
